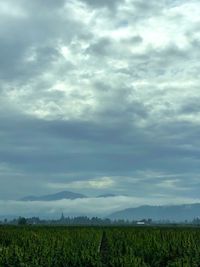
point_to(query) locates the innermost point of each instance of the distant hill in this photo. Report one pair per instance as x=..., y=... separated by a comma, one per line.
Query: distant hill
x=53, y=197
x=173, y=213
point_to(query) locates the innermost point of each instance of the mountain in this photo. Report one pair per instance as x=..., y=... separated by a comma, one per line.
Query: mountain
x=178, y=213
x=53, y=197
x=106, y=195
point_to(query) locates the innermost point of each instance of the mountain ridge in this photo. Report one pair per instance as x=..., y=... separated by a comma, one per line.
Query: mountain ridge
x=53, y=197
x=180, y=212
x=62, y=195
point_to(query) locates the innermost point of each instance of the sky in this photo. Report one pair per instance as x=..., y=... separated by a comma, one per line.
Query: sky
x=99, y=96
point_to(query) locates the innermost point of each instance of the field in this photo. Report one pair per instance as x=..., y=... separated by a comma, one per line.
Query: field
x=36, y=246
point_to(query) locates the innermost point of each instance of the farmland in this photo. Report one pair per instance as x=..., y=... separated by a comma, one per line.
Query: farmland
x=38, y=246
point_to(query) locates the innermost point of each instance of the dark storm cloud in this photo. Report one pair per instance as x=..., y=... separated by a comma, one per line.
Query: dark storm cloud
x=80, y=146
x=52, y=150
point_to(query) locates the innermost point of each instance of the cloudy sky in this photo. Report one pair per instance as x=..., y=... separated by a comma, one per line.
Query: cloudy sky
x=100, y=96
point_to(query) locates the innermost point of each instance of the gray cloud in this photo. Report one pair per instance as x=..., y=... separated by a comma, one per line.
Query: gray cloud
x=101, y=47
x=102, y=3
x=86, y=93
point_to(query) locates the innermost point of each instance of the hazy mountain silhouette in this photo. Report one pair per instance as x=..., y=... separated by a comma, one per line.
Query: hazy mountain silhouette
x=61, y=195
x=173, y=212
x=53, y=197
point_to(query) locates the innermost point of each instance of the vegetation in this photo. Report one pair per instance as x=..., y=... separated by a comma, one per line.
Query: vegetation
x=38, y=246
x=22, y=221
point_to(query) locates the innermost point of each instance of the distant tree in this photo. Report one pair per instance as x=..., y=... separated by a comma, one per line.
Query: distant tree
x=196, y=221
x=22, y=221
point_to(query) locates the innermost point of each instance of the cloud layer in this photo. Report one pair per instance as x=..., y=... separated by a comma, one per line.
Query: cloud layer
x=100, y=96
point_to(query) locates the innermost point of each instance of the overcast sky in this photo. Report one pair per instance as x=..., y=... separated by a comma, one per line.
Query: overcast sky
x=100, y=96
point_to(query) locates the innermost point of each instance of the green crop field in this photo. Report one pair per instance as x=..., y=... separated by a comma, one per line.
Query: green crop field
x=99, y=246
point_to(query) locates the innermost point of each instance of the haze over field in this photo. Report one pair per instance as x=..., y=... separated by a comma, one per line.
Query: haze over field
x=99, y=97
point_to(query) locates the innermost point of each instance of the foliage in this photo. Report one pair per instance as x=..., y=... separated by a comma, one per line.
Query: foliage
x=34, y=246
x=22, y=221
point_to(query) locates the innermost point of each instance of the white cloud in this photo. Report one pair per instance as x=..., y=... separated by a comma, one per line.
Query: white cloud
x=158, y=33
x=89, y=206
x=174, y=184
x=100, y=183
